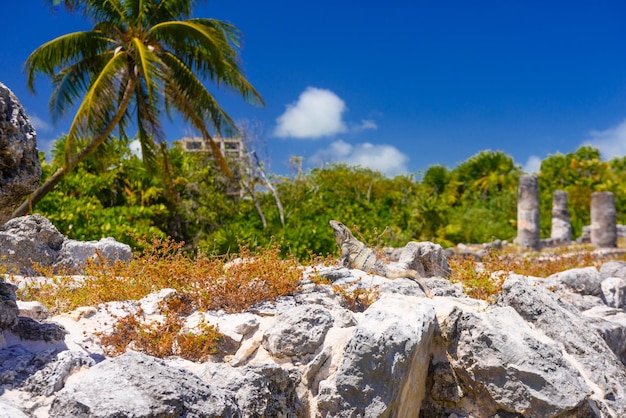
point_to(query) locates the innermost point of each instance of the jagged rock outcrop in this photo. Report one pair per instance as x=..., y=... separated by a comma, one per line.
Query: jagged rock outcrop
x=137, y=385
x=52, y=378
x=261, y=390
x=500, y=364
x=582, y=344
x=20, y=171
x=584, y=281
x=23, y=365
x=427, y=258
x=547, y=347
x=385, y=363
x=33, y=309
x=298, y=332
x=27, y=240
x=8, y=305
x=30, y=329
x=8, y=410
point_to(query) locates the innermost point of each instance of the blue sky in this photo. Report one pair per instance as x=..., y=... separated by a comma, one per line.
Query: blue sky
x=397, y=85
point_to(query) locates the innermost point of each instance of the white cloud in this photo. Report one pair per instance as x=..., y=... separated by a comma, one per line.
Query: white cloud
x=533, y=164
x=384, y=158
x=317, y=113
x=135, y=147
x=39, y=124
x=611, y=142
x=365, y=124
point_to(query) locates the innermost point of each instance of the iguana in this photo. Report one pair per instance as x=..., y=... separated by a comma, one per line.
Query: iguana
x=356, y=254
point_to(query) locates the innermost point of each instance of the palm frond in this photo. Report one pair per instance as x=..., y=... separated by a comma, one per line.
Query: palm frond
x=187, y=94
x=139, y=10
x=63, y=51
x=208, y=47
x=145, y=60
x=150, y=132
x=71, y=83
x=174, y=10
x=148, y=146
x=193, y=40
x=96, y=109
x=184, y=90
x=98, y=10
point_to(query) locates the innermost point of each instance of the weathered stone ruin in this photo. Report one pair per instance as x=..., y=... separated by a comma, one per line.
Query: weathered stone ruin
x=561, y=226
x=602, y=233
x=528, y=213
x=603, y=220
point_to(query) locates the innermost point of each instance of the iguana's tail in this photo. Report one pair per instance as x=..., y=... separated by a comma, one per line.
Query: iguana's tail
x=408, y=274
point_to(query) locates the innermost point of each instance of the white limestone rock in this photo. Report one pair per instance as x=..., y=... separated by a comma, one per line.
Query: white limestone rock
x=583, y=345
x=137, y=385
x=298, y=332
x=384, y=368
x=33, y=309
x=30, y=240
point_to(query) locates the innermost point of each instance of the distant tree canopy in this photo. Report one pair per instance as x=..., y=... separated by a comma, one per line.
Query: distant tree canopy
x=112, y=194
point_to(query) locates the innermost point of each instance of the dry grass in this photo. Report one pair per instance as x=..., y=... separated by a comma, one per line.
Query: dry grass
x=232, y=283
x=358, y=299
x=235, y=282
x=484, y=279
x=161, y=339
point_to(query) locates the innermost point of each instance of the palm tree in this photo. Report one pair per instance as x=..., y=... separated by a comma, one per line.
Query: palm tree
x=141, y=58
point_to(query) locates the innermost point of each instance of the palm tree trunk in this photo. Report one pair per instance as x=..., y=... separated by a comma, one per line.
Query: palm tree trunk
x=53, y=180
x=39, y=193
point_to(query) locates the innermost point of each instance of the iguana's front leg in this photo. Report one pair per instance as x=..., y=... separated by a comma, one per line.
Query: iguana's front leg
x=345, y=256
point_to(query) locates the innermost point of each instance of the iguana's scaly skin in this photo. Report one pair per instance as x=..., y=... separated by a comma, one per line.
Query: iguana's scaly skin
x=356, y=254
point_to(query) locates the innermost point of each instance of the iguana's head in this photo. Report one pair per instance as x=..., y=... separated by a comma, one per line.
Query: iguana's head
x=342, y=233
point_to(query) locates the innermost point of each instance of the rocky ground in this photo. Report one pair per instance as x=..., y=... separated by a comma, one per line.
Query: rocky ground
x=547, y=347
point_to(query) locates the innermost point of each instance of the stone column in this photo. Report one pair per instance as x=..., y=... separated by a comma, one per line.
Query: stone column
x=561, y=226
x=603, y=220
x=528, y=213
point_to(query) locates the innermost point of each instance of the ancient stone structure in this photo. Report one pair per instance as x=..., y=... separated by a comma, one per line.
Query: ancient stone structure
x=528, y=213
x=20, y=171
x=561, y=226
x=603, y=220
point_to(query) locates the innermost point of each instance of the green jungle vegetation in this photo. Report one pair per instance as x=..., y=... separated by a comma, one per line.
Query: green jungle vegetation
x=112, y=193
